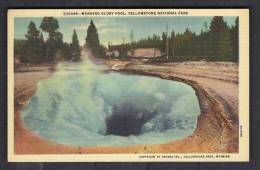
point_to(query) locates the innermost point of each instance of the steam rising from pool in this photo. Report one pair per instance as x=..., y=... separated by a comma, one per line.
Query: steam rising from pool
x=80, y=105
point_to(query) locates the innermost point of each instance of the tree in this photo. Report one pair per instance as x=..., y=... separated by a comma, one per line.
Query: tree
x=42, y=47
x=188, y=38
x=75, y=48
x=54, y=41
x=204, y=47
x=32, y=50
x=49, y=25
x=220, y=39
x=225, y=46
x=216, y=42
x=65, y=53
x=33, y=32
x=19, y=46
x=234, y=39
x=171, y=46
x=164, y=41
x=92, y=40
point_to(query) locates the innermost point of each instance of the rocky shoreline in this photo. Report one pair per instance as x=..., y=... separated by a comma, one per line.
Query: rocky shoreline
x=217, y=127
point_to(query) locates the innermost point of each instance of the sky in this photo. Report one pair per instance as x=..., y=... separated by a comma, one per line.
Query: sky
x=118, y=29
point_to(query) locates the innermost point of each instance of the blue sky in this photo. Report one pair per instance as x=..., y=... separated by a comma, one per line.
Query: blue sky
x=117, y=29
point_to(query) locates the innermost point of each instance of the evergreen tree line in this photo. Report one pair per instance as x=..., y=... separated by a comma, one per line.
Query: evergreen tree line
x=36, y=51
x=219, y=42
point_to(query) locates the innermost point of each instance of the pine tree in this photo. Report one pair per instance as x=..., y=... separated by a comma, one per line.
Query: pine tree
x=32, y=49
x=225, y=46
x=220, y=40
x=171, y=46
x=49, y=25
x=188, y=37
x=75, y=48
x=19, y=47
x=235, y=42
x=54, y=41
x=216, y=42
x=163, y=43
x=204, y=45
x=42, y=46
x=65, y=53
x=92, y=40
x=33, y=32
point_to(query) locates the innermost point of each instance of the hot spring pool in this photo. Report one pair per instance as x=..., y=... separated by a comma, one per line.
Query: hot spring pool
x=78, y=105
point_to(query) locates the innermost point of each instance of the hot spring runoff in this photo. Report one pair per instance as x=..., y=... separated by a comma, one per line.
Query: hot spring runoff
x=81, y=105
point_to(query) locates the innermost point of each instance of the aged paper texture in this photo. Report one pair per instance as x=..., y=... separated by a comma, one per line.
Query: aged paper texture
x=128, y=85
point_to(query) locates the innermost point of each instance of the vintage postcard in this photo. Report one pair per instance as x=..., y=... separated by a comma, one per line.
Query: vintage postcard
x=128, y=85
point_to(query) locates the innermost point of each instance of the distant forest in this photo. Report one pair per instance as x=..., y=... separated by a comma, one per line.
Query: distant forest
x=217, y=42
x=35, y=50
